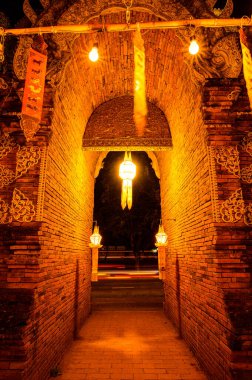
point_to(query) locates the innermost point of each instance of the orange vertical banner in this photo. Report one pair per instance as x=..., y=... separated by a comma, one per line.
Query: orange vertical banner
x=33, y=93
x=140, y=104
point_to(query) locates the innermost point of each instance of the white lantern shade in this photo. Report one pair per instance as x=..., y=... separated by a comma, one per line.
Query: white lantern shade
x=95, y=238
x=127, y=169
x=161, y=237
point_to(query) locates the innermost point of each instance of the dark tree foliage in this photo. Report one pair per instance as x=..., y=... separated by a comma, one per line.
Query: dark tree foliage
x=136, y=228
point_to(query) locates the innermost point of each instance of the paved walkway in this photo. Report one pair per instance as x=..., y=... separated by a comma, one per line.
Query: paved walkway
x=129, y=345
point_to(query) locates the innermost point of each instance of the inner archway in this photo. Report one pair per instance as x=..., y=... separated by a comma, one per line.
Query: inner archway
x=128, y=235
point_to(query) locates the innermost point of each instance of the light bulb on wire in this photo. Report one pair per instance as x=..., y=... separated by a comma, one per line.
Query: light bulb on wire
x=93, y=55
x=194, y=47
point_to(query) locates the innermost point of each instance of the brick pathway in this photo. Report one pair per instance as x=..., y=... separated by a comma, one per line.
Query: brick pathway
x=129, y=345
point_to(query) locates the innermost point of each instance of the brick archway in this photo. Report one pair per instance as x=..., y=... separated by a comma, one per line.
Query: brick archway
x=47, y=194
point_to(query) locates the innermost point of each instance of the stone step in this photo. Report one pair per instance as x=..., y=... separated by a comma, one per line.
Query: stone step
x=143, y=294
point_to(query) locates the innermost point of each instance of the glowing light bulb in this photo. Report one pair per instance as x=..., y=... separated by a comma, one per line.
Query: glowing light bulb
x=194, y=47
x=94, y=54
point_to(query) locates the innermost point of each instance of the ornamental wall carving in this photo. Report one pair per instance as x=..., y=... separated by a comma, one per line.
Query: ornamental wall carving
x=7, y=144
x=27, y=157
x=17, y=201
x=235, y=208
x=232, y=210
x=228, y=156
x=246, y=143
x=21, y=209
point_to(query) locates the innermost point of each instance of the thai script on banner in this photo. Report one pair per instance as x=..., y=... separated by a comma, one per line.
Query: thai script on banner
x=34, y=85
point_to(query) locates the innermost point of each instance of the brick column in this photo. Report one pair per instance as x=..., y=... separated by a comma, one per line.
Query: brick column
x=228, y=122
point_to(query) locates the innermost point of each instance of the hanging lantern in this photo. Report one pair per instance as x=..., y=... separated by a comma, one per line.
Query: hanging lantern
x=161, y=237
x=127, y=172
x=95, y=238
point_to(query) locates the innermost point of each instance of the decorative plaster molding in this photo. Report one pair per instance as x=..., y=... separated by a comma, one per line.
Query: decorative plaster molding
x=214, y=185
x=246, y=174
x=247, y=143
x=4, y=213
x=27, y=157
x=7, y=176
x=124, y=144
x=248, y=215
x=3, y=84
x=22, y=209
x=232, y=210
x=228, y=156
x=7, y=144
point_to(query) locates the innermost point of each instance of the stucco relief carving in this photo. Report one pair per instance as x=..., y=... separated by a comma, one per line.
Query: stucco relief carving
x=227, y=57
x=29, y=12
x=7, y=144
x=21, y=57
x=3, y=84
x=45, y=3
x=214, y=187
x=225, y=12
x=248, y=215
x=22, y=209
x=246, y=174
x=247, y=143
x=232, y=210
x=5, y=216
x=27, y=157
x=7, y=176
x=228, y=156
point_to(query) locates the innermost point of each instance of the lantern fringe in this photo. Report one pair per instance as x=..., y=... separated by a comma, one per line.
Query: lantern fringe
x=140, y=106
x=126, y=196
x=247, y=63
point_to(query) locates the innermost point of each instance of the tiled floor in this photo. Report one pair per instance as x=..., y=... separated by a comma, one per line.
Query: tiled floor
x=127, y=345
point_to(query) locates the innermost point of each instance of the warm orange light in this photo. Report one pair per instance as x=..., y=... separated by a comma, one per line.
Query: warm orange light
x=127, y=172
x=161, y=236
x=95, y=238
x=194, y=47
x=127, y=169
x=94, y=53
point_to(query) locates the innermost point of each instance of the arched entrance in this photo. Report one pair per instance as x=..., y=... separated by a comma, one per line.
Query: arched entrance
x=128, y=235
x=46, y=205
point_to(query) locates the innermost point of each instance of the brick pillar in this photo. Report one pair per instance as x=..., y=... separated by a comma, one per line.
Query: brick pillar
x=228, y=123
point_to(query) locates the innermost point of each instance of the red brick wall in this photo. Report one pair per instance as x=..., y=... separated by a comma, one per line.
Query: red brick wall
x=207, y=288
x=46, y=265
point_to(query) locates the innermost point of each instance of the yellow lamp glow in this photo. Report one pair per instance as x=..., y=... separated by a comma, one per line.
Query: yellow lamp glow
x=161, y=237
x=94, y=53
x=95, y=238
x=127, y=172
x=194, y=47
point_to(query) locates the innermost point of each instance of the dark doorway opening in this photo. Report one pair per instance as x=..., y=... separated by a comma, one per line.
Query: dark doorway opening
x=128, y=236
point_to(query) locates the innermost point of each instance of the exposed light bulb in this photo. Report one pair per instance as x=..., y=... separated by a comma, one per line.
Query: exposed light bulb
x=94, y=54
x=194, y=47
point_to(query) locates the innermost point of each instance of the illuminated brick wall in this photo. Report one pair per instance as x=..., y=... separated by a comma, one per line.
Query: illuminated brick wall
x=207, y=288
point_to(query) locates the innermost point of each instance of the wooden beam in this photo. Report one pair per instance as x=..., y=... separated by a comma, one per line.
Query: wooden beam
x=89, y=28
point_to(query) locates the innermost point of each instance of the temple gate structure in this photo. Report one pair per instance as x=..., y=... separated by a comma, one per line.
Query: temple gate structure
x=199, y=138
